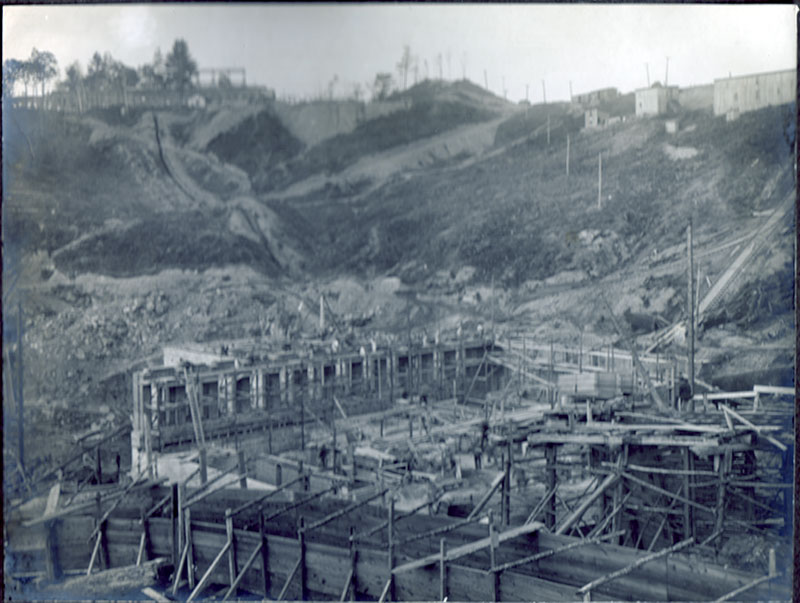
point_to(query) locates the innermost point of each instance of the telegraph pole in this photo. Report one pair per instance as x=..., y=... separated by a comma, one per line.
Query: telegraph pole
x=20, y=392
x=567, y=155
x=570, y=91
x=544, y=93
x=485, y=80
x=690, y=308
x=647, y=69
x=600, y=181
x=666, y=74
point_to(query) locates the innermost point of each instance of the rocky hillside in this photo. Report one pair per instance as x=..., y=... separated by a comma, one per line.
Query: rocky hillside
x=125, y=232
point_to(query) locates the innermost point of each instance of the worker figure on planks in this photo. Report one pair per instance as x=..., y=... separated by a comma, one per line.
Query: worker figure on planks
x=684, y=392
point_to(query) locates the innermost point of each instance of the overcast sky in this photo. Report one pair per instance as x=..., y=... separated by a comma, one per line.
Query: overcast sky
x=297, y=49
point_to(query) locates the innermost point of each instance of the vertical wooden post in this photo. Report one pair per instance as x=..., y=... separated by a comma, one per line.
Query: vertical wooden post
x=232, y=570
x=203, y=466
x=720, y=514
x=391, y=548
x=187, y=522
x=264, y=552
x=51, y=551
x=551, y=376
x=302, y=422
x=333, y=425
x=242, y=470
x=688, y=521
x=600, y=180
x=353, y=562
x=179, y=526
x=507, y=485
x=550, y=459
x=442, y=571
x=174, y=527
x=98, y=466
x=567, y=163
x=301, y=536
x=493, y=557
x=690, y=306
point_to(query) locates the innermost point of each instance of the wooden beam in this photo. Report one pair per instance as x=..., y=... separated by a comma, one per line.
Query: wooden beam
x=114, y=506
x=551, y=552
x=586, y=588
x=496, y=482
x=469, y=548
x=779, y=445
x=586, y=503
x=654, y=488
x=443, y=530
x=207, y=576
x=299, y=503
x=261, y=499
x=735, y=593
x=244, y=569
x=289, y=579
x=348, y=581
x=538, y=508
x=349, y=509
x=177, y=580
x=94, y=554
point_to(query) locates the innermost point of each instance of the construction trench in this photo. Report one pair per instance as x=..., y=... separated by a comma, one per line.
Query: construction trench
x=483, y=469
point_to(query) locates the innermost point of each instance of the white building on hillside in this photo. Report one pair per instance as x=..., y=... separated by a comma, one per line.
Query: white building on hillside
x=655, y=99
x=735, y=95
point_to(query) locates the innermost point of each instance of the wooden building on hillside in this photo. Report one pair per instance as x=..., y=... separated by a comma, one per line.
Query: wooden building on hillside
x=655, y=100
x=736, y=95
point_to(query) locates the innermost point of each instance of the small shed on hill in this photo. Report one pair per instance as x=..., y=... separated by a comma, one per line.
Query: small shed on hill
x=655, y=99
x=594, y=118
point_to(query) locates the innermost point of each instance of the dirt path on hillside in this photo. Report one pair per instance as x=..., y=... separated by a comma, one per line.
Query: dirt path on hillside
x=473, y=139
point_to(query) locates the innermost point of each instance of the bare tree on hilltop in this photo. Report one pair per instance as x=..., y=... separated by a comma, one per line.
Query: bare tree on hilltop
x=405, y=65
x=181, y=67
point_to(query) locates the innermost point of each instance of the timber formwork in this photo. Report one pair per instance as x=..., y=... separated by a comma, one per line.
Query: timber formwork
x=297, y=543
x=286, y=390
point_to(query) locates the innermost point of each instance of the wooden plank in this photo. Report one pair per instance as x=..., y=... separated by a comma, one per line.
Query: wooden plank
x=204, y=580
x=779, y=445
x=586, y=503
x=735, y=593
x=498, y=479
x=628, y=569
x=289, y=579
x=472, y=547
x=242, y=572
x=154, y=595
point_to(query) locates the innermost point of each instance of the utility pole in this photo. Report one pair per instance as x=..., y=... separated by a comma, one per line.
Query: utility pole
x=20, y=391
x=570, y=91
x=485, y=80
x=600, y=180
x=690, y=308
x=666, y=74
x=647, y=69
x=544, y=93
x=567, y=155
x=526, y=92
x=548, y=130
x=503, y=81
